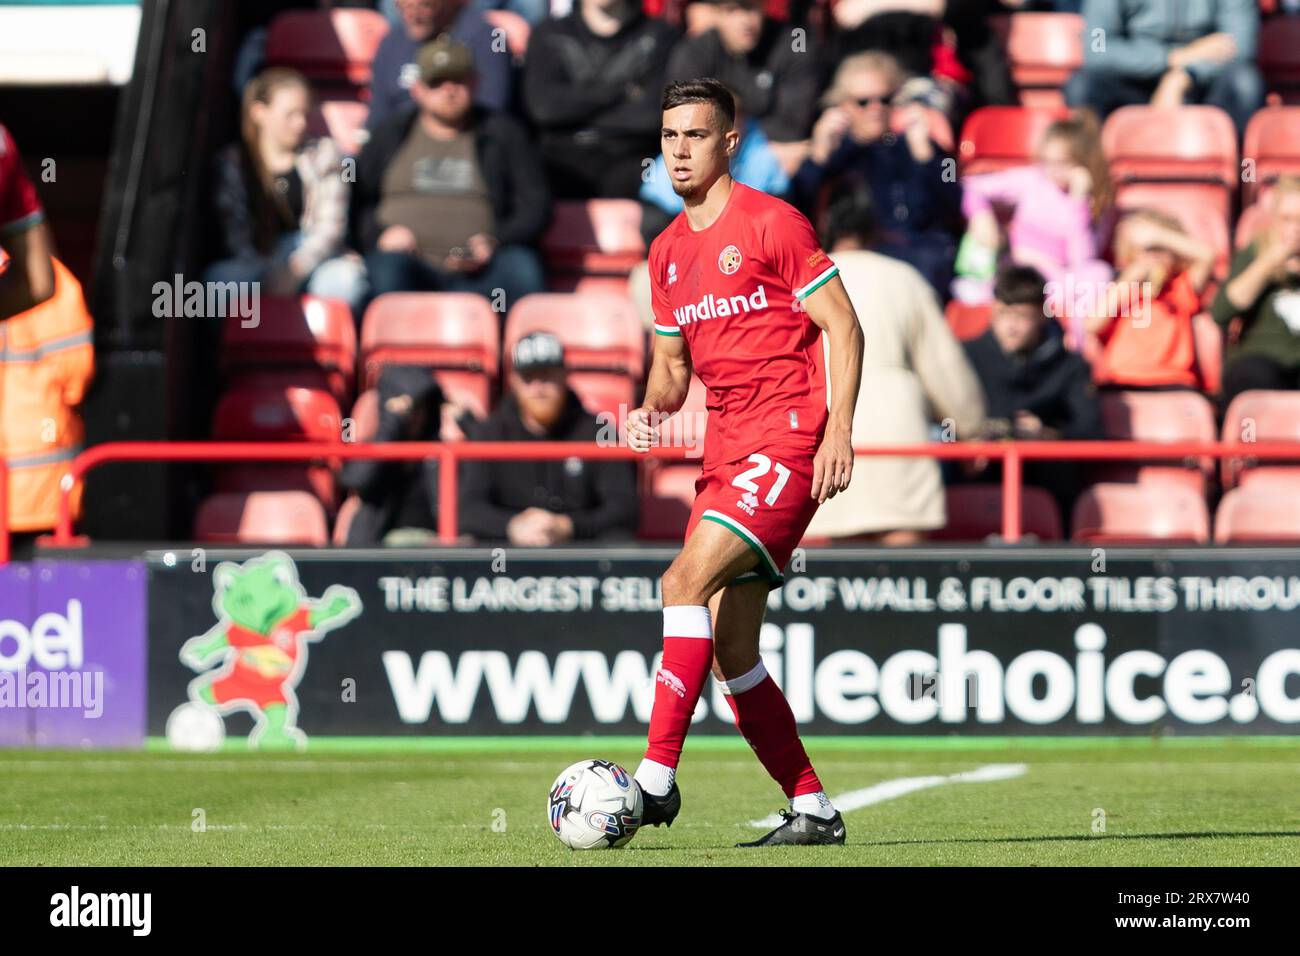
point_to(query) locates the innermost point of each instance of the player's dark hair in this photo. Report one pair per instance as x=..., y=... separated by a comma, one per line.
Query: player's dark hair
x=1020, y=285
x=851, y=214
x=704, y=90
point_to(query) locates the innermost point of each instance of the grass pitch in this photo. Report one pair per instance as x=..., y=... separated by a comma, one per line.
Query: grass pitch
x=1078, y=802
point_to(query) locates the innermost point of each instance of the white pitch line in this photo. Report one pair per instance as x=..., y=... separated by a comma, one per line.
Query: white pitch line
x=889, y=789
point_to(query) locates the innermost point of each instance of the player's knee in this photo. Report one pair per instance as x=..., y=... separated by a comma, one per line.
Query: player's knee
x=680, y=586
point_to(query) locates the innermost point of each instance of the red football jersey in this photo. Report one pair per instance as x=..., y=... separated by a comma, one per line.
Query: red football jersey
x=734, y=292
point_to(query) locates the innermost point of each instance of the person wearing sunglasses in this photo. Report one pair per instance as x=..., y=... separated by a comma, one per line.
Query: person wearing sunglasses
x=912, y=181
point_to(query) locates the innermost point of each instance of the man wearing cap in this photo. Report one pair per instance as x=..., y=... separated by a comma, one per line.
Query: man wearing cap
x=540, y=503
x=394, y=69
x=450, y=197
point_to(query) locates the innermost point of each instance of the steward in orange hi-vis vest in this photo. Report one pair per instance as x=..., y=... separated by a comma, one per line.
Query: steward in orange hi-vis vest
x=47, y=359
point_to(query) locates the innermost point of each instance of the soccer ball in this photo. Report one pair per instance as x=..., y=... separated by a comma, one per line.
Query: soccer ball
x=195, y=728
x=594, y=805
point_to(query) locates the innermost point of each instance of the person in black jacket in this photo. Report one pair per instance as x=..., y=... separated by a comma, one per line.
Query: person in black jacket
x=777, y=78
x=448, y=197
x=540, y=503
x=1035, y=389
x=592, y=87
x=399, y=499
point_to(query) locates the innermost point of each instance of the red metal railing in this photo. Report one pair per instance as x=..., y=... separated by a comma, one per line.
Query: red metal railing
x=1011, y=454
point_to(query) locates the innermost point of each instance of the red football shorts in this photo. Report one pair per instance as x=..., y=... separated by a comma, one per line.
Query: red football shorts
x=766, y=500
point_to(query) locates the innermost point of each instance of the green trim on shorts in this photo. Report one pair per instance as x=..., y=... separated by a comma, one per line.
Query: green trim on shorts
x=766, y=566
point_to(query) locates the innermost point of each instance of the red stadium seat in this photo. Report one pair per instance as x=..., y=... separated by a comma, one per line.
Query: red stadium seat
x=1000, y=137
x=514, y=28
x=365, y=417
x=1043, y=50
x=262, y=517
x=975, y=513
x=284, y=412
x=343, y=121
x=1187, y=145
x=1263, y=512
x=332, y=48
x=667, y=499
x=1272, y=147
x=967, y=321
x=1158, y=417
x=604, y=342
x=305, y=332
x=1279, y=55
x=455, y=333
x=1260, y=416
x=596, y=237
x=1108, y=513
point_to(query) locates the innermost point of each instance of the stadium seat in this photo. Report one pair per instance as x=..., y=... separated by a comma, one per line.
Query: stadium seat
x=514, y=28
x=343, y=121
x=1158, y=417
x=1272, y=147
x=262, y=517
x=1260, y=416
x=1184, y=146
x=1109, y=513
x=596, y=237
x=332, y=48
x=1043, y=50
x=305, y=332
x=967, y=321
x=1279, y=56
x=604, y=342
x=666, y=500
x=283, y=412
x=975, y=513
x=1000, y=137
x=1264, y=512
x=455, y=333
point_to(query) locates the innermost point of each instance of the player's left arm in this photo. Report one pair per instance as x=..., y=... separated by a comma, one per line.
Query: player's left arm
x=830, y=310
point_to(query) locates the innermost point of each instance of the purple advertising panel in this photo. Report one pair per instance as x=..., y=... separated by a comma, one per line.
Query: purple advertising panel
x=72, y=654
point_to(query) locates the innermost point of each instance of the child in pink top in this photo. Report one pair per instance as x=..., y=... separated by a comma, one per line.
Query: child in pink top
x=1060, y=205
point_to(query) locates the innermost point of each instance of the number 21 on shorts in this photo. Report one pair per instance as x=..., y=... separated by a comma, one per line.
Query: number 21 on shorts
x=762, y=465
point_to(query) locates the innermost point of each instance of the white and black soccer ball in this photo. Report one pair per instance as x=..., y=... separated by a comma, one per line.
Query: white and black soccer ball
x=594, y=805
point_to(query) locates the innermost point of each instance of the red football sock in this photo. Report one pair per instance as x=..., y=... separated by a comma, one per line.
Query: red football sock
x=764, y=718
x=687, y=660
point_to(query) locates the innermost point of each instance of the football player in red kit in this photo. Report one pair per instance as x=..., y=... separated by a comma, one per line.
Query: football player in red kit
x=742, y=294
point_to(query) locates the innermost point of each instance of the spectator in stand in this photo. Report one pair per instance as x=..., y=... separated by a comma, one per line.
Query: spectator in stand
x=910, y=178
x=1144, y=321
x=282, y=200
x=1061, y=209
x=398, y=499
x=26, y=262
x=754, y=164
x=1260, y=302
x=1169, y=53
x=592, y=87
x=541, y=503
x=395, y=70
x=776, y=80
x=1035, y=389
x=450, y=197
x=915, y=374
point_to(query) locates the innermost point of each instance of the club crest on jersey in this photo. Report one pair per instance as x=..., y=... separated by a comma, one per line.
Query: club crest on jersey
x=729, y=260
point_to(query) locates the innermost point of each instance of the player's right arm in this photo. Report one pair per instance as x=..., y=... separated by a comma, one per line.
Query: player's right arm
x=665, y=391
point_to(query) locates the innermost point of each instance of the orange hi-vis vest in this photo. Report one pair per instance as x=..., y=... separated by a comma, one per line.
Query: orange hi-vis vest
x=47, y=359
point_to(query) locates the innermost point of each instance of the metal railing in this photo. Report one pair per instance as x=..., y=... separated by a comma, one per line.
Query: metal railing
x=1012, y=455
